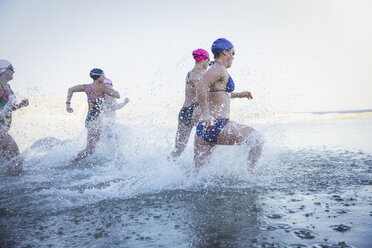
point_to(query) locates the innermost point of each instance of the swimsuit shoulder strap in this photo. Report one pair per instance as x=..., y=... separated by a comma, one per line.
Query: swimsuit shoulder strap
x=90, y=92
x=90, y=98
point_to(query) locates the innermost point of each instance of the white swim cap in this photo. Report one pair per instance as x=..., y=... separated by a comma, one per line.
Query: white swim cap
x=4, y=64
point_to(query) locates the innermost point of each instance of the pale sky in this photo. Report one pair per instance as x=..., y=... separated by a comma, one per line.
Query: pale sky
x=293, y=55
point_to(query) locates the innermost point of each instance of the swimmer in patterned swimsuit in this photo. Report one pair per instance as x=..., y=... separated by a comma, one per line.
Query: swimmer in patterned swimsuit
x=9, y=151
x=215, y=89
x=95, y=94
x=190, y=112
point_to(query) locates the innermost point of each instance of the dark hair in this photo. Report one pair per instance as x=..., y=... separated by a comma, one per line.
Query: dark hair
x=96, y=73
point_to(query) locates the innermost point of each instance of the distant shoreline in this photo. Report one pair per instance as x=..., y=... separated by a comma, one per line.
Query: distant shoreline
x=338, y=112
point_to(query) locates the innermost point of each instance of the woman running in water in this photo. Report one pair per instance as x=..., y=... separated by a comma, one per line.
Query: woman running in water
x=95, y=93
x=190, y=113
x=8, y=148
x=214, y=91
x=109, y=111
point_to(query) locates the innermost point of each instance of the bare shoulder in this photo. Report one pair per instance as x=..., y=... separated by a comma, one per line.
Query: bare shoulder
x=215, y=74
x=106, y=90
x=100, y=86
x=84, y=87
x=104, y=87
x=194, y=77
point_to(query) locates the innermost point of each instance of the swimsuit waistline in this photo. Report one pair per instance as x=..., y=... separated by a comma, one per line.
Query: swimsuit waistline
x=216, y=120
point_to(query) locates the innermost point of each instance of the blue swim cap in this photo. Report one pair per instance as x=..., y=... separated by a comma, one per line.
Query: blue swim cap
x=96, y=73
x=221, y=45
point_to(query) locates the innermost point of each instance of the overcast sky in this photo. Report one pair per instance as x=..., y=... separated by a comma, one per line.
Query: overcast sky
x=293, y=55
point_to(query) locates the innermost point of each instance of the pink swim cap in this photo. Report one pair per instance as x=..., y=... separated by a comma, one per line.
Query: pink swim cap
x=200, y=54
x=107, y=81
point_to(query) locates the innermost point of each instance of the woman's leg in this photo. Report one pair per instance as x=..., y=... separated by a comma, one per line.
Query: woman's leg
x=93, y=136
x=11, y=153
x=184, y=131
x=237, y=134
x=202, y=152
x=182, y=138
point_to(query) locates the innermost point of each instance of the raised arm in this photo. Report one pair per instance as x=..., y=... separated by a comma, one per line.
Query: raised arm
x=70, y=92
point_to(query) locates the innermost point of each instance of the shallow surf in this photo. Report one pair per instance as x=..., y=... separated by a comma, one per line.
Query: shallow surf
x=311, y=188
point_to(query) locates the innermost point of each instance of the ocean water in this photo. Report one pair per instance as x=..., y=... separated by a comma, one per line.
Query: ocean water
x=311, y=188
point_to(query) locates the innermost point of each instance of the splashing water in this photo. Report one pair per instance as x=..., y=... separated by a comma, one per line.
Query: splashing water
x=129, y=194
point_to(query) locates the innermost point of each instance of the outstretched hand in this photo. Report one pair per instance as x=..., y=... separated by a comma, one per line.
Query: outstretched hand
x=24, y=103
x=69, y=109
x=246, y=94
x=121, y=105
x=243, y=94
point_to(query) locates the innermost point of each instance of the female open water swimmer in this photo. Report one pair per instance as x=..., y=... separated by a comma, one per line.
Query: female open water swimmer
x=190, y=112
x=9, y=149
x=214, y=91
x=109, y=110
x=95, y=93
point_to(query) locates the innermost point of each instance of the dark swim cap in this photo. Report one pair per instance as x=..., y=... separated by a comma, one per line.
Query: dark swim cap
x=96, y=73
x=220, y=45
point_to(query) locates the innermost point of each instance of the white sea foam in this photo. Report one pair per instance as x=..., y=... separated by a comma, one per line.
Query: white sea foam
x=136, y=163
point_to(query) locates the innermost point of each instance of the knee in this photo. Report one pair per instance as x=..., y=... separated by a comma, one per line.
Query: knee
x=255, y=139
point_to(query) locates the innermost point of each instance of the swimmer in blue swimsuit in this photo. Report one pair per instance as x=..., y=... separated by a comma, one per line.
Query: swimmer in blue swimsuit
x=190, y=111
x=95, y=94
x=215, y=89
x=211, y=133
x=9, y=152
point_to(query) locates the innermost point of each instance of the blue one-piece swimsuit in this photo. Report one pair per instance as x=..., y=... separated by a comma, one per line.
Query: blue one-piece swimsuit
x=210, y=133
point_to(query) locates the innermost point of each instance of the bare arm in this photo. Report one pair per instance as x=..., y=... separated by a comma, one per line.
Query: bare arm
x=193, y=79
x=209, y=78
x=22, y=104
x=120, y=105
x=243, y=94
x=110, y=92
x=70, y=92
